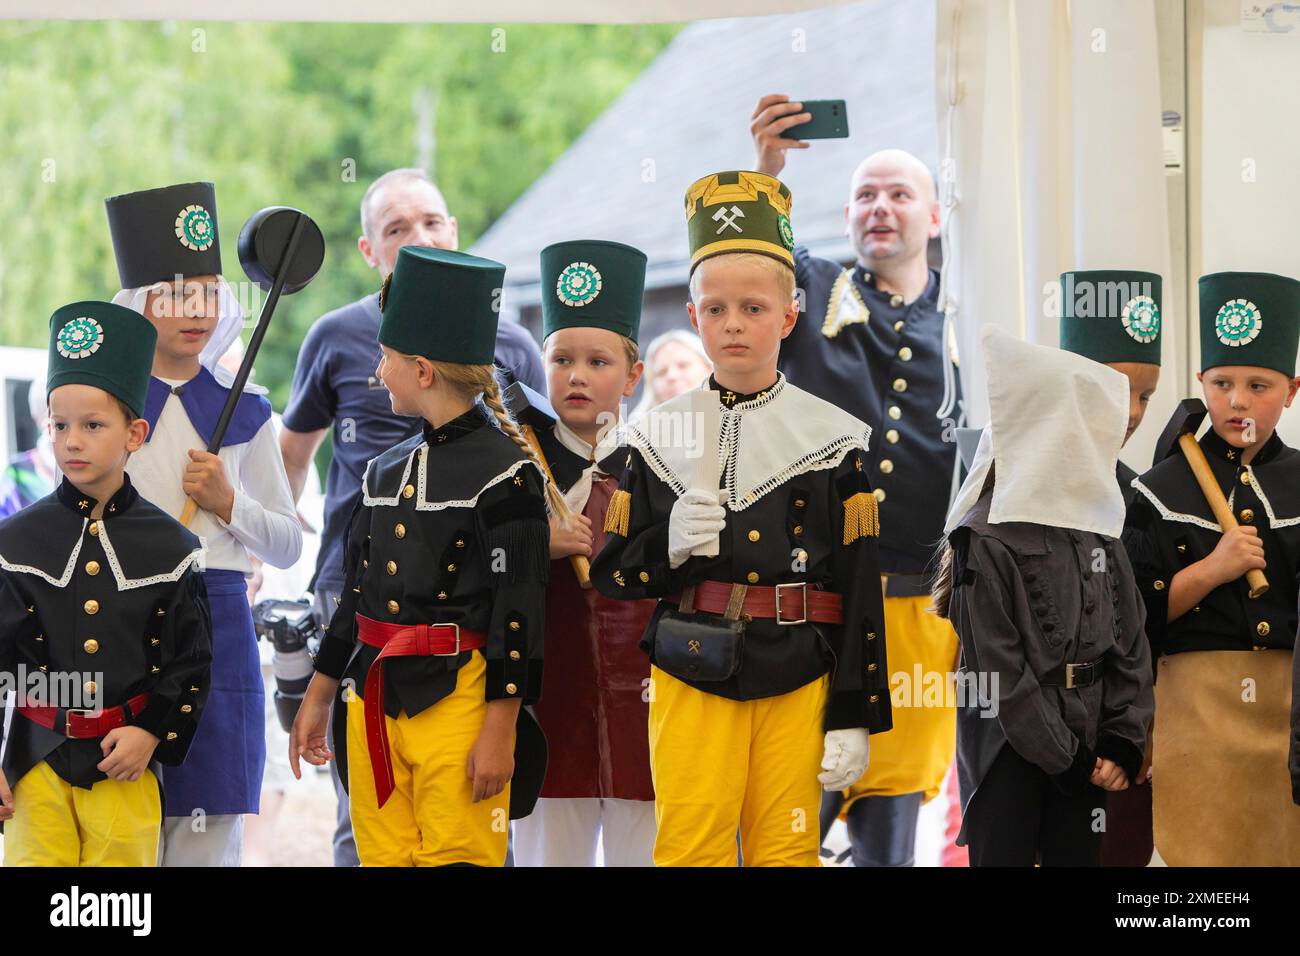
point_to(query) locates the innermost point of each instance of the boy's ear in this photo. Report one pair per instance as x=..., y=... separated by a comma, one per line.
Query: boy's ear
x=633, y=376
x=136, y=433
x=424, y=373
x=791, y=317
x=1292, y=386
x=695, y=323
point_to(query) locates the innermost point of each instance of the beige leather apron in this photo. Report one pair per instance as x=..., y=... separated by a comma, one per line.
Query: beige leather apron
x=1221, y=787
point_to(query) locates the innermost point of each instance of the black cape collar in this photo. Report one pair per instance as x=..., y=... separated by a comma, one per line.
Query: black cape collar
x=1214, y=446
x=458, y=427
x=731, y=399
x=84, y=505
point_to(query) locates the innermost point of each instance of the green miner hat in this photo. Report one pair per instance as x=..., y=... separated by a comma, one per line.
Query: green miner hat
x=1111, y=315
x=159, y=234
x=1249, y=318
x=598, y=285
x=104, y=345
x=739, y=212
x=443, y=305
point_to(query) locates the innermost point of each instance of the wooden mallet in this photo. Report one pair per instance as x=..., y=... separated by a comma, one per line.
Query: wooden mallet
x=1180, y=433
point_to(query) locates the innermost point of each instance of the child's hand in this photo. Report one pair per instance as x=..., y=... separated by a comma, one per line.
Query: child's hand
x=574, y=538
x=6, y=799
x=491, y=761
x=1236, y=553
x=1109, y=775
x=126, y=753
x=308, y=736
x=205, y=481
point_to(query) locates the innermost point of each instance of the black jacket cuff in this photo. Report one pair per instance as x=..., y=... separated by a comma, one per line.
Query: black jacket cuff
x=1123, y=752
x=1078, y=776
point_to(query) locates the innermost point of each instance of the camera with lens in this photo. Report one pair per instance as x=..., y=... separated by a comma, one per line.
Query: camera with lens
x=295, y=638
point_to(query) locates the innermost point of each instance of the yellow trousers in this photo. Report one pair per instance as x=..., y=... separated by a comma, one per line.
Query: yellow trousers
x=722, y=766
x=430, y=818
x=915, y=755
x=114, y=823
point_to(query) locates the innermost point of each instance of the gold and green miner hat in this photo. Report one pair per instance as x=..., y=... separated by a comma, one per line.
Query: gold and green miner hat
x=739, y=212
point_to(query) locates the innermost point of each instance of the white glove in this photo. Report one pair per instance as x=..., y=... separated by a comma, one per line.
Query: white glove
x=696, y=521
x=845, y=758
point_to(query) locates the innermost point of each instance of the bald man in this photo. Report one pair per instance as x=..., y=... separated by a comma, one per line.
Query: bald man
x=870, y=339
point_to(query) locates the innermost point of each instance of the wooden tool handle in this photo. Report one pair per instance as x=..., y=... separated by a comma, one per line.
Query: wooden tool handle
x=1218, y=503
x=581, y=564
x=189, y=511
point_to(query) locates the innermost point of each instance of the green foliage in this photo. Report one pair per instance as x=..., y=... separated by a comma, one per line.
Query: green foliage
x=276, y=114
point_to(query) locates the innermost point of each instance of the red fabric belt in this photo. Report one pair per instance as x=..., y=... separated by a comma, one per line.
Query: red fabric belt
x=85, y=724
x=797, y=602
x=401, y=640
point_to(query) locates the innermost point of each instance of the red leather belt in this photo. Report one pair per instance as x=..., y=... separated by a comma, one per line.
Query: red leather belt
x=84, y=724
x=401, y=640
x=784, y=603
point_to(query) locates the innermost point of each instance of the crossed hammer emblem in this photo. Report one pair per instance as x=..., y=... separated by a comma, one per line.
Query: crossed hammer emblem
x=729, y=220
x=694, y=646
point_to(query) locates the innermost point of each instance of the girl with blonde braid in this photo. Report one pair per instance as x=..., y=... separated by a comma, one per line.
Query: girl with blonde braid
x=436, y=645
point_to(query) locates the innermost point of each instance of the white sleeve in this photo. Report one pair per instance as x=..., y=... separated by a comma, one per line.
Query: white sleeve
x=263, y=518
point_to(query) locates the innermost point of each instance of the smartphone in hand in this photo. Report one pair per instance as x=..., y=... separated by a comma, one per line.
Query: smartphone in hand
x=830, y=120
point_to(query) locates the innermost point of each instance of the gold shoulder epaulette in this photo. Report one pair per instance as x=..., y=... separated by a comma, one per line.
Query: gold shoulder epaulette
x=861, y=517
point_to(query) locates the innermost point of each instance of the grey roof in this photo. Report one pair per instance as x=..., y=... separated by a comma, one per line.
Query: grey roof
x=688, y=115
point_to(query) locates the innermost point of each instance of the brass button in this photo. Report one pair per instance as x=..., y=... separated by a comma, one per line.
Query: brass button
x=365, y=563
x=895, y=412
x=514, y=655
x=754, y=536
x=799, y=502
x=891, y=436
x=393, y=607
x=896, y=300
x=900, y=385
x=898, y=326
x=905, y=354
x=194, y=688
x=1247, y=515
x=408, y=491
x=1182, y=549
x=1197, y=609
x=154, y=641
x=880, y=494
x=171, y=735
x=798, y=530
x=1245, y=477
x=1158, y=585
x=645, y=577
x=162, y=613
x=871, y=635
x=752, y=577
x=155, y=669
x=92, y=568
x=451, y=568
x=747, y=618
x=400, y=530
x=871, y=668
x=392, y=567
x=512, y=689
x=442, y=595
x=1259, y=647
x=874, y=698
x=1262, y=628
x=802, y=555
x=43, y=668
x=91, y=606
x=90, y=687
x=514, y=625
x=91, y=646
x=186, y=708
x=460, y=542
x=93, y=528
x=886, y=466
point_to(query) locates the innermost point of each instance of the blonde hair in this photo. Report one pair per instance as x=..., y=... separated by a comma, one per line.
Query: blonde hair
x=480, y=381
x=783, y=272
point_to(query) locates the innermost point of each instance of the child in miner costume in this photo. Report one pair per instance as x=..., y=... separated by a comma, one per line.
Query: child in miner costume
x=1223, y=674
x=101, y=598
x=438, y=637
x=767, y=647
x=1055, y=669
x=593, y=709
x=168, y=251
x=1113, y=316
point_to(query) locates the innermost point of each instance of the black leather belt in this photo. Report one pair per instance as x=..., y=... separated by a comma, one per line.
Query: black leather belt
x=1073, y=675
x=906, y=585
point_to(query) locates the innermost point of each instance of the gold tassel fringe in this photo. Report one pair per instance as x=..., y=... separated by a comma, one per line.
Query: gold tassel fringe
x=861, y=517
x=620, y=511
